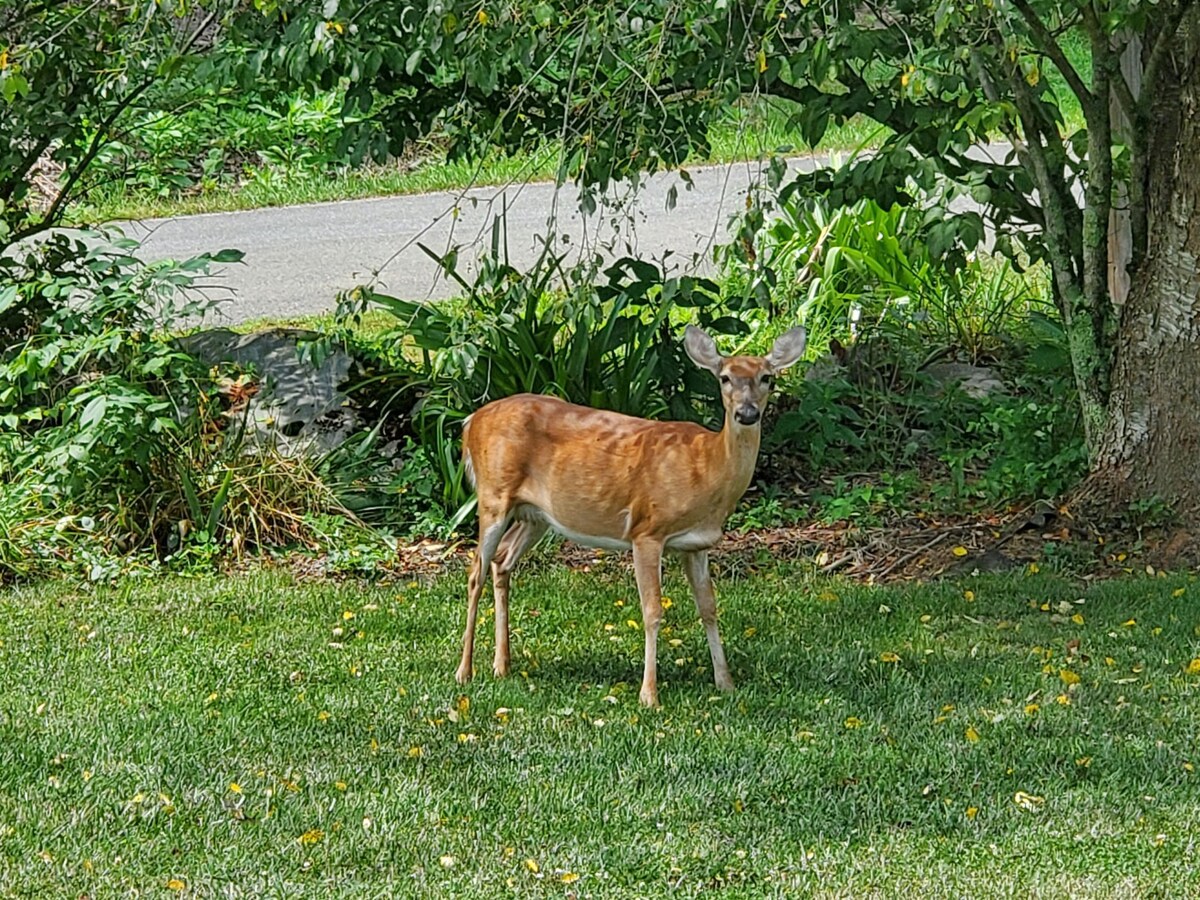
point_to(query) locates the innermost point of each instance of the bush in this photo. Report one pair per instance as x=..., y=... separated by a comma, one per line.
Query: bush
x=114, y=434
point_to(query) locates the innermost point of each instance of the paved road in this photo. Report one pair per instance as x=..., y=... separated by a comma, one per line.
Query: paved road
x=298, y=258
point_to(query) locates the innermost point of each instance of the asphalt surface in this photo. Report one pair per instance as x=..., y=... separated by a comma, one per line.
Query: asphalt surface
x=298, y=258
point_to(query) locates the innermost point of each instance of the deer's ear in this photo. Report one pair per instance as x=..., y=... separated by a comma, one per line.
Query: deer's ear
x=702, y=349
x=788, y=348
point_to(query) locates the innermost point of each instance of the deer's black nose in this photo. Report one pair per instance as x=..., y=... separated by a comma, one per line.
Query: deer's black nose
x=747, y=415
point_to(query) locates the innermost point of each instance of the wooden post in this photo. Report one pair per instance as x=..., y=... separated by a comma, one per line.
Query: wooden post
x=1120, y=233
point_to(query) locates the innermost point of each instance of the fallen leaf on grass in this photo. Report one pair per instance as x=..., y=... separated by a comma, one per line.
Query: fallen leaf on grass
x=1028, y=802
x=1193, y=667
x=971, y=734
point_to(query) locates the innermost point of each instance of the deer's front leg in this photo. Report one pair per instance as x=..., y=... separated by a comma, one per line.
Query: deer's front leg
x=695, y=565
x=647, y=566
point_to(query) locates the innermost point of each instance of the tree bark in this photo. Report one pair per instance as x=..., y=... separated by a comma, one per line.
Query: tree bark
x=1150, y=446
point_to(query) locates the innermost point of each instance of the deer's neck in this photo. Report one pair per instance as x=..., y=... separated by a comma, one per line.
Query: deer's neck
x=740, y=447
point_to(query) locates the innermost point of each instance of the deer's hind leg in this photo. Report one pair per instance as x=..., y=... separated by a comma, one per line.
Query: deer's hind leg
x=492, y=524
x=515, y=543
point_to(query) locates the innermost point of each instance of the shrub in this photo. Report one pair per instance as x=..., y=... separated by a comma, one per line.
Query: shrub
x=116, y=435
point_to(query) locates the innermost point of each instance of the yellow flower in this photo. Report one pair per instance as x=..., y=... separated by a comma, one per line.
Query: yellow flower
x=347, y=615
x=1031, y=708
x=569, y=878
x=971, y=734
x=972, y=812
x=310, y=837
x=889, y=657
x=969, y=596
x=532, y=866
x=235, y=787
x=175, y=885
x=481, y=17
x=853, y=722
x=1194, y=667
x=1130, y=623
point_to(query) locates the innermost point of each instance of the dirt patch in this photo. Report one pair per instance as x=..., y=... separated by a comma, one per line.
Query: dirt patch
x=912, y=548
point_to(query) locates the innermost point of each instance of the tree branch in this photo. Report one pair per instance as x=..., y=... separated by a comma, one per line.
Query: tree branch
x=100, y=137
x=1048, y=45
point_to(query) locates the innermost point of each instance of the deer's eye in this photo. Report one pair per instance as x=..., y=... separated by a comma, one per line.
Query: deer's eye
x=724, y=379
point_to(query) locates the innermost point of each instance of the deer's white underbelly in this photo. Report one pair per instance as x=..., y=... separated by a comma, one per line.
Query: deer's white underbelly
x=700, y=538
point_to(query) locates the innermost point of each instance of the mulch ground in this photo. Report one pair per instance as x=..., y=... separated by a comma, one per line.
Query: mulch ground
x=914, y=548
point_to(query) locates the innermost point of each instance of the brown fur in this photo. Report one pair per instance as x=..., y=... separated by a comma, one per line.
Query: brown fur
x=619, y=481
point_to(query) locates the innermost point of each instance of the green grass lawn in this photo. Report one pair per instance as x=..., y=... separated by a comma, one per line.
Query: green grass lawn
x=255, y=736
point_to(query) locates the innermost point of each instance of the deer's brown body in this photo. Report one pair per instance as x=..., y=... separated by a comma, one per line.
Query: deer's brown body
x=609, y=480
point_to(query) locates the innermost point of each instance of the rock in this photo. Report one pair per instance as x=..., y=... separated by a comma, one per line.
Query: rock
x=977, y=382
x=299, y=407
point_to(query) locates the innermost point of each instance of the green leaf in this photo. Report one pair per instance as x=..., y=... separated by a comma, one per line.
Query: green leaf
x=93, y=413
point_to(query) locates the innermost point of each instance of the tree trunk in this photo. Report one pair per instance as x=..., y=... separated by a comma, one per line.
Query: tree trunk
x=1150, y=446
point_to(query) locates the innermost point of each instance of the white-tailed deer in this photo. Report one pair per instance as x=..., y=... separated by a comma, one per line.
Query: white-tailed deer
x=614, y=481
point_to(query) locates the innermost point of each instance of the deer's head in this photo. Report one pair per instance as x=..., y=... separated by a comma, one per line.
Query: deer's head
x=746, y=381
